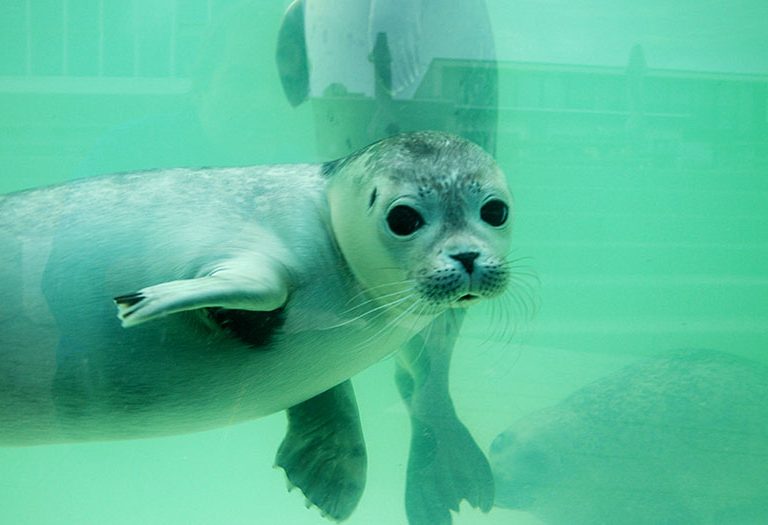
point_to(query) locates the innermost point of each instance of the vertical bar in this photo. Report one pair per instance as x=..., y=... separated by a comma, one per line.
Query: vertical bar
x=101, y=39
x=28, y=29
x=173, y=36
x=135, y=37
x=65, y=37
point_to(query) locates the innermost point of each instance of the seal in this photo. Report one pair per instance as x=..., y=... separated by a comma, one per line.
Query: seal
x=241, y=292
x=372, y=64
x=677, y=438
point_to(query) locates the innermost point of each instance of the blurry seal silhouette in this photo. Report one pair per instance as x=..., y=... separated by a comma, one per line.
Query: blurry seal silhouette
x=678, y=438
x=242, y=292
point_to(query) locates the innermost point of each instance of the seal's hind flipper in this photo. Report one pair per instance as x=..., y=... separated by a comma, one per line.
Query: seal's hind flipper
x=323, y=453
x=234, y=285
x=445, y=464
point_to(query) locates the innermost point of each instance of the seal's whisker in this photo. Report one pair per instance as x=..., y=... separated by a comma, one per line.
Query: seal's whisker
x=519, y=303
x=500, y=320
x=523, y=281
x=519, y=262
x=514, y=251
x=518, y=259
x=387, y=268
x=526, y=283
x=520, y=269
x=390, y=306
x=422, y=311
x=511, y=321
x=523, y=275
x=382, y=309
x=392, y=323
x=379, y=286
x=425, y=339
x=529, y=296
x=377, y=298
x=407, y=312
x=497, y=317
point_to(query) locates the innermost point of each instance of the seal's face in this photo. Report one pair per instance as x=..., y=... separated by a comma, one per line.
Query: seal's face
x=424, y=221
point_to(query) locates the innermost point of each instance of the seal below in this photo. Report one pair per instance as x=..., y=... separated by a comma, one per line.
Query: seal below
x=241, y=292
x=681, y=437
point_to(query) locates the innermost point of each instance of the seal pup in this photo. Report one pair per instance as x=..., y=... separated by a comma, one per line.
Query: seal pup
x=678, y=438
x=245, y=291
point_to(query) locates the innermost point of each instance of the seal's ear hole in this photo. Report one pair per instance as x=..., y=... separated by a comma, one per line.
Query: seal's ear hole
x=495, y=212
x=372, y=199
x=404, y=220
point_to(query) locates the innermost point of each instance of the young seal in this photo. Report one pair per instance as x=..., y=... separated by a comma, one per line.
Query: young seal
x=680, y=438
x=245, y=291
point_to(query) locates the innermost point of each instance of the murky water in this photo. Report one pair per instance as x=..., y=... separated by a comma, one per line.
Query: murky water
x=635, y=139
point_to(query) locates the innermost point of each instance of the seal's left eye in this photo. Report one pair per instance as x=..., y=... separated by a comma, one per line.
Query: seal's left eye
x=404, y=220
x=494, y=212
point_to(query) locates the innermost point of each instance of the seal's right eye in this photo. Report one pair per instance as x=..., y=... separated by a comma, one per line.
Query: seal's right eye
x=404, y=220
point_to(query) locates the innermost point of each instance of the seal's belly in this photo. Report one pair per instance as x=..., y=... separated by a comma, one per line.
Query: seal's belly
x=91, y=379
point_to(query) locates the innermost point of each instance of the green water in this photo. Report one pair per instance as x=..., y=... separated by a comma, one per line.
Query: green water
x=635, y=139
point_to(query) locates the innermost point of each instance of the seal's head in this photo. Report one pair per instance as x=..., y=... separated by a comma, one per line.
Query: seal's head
x=426, y=213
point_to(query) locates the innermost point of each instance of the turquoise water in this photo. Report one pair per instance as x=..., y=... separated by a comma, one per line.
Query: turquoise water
x=634, y=137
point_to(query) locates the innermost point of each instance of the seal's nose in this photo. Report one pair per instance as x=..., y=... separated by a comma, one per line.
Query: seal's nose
x=467, y=260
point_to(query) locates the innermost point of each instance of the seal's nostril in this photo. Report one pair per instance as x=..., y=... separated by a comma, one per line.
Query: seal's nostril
x=467, y=260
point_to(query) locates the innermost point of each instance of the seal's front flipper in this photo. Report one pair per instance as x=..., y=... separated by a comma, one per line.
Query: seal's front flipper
x=237, y=285
x=445, y=464
x=323, y=452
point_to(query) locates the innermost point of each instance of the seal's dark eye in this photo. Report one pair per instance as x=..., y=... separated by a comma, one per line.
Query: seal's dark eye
x=404, y=220
x=494, y=212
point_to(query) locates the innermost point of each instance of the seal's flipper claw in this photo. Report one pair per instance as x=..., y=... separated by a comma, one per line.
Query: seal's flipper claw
x=129, y=299
x=129, y=305
x=323, y=453
x=126, y=306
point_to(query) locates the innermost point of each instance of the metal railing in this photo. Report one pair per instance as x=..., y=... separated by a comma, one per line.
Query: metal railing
x=101, y=38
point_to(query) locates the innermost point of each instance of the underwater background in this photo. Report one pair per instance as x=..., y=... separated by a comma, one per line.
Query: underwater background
x=634, y=136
